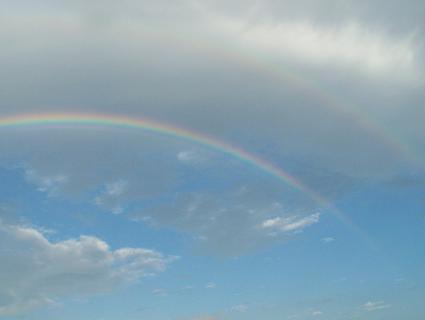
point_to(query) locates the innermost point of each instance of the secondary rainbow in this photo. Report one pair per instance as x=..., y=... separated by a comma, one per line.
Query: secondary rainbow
x=264, y=64
x=331, y=101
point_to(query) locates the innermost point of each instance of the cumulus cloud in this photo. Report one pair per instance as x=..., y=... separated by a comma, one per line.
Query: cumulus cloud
x=35, y=271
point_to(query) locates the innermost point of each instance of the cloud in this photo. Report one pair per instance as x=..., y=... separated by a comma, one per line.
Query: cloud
x=328, y=12
x=298, y=83
x=350, y=46
x=111, y=197
x=230, y=222
x=122, y=79
x=375, y=305
x=210, y=285
x=232, y=195
x=160, y=292
x=291, y=223
x=239, y=308
x=328, y=239
x=190, y=157
x=316, y=313
x=35, y=271
x=49, y=184
x=116, y=188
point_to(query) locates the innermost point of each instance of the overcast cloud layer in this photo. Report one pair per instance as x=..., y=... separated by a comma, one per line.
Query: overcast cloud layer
x=236, y=70
x=192, y=62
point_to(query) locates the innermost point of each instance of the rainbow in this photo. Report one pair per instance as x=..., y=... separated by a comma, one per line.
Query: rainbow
x=149, y=125
x=262, y=63
x=173, y=131
x=331, y=101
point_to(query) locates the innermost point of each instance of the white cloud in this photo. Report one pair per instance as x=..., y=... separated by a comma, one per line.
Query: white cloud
x=232, y=223
x=191, y=156
x=290, y=224
x=210, y=285
x=239, y=308
x=328, y=239
x=375, y=305
x=316, y=313
x=116, y=188
x=50, y=184
x=110, y=197
x=35, y=271
x=117, y=210
x=160, y=292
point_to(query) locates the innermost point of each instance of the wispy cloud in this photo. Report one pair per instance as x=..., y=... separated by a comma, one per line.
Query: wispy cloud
x=328, y=239
x=110, y=197
x=317, y=313
x=116, y=188
x=290, y=224
x=160, y=292
x=239, y=308
x=375, y=305
x=50, y=184
x=210, y=285
x=192, y=156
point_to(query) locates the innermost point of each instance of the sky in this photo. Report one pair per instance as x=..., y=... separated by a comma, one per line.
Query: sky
x=212, y=160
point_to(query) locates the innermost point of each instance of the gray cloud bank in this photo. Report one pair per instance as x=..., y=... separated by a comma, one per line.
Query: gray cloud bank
x=330, y=91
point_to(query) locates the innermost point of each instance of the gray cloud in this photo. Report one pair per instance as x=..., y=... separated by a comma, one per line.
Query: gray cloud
x=233, y=222
x=393, y=15
x=330, y=91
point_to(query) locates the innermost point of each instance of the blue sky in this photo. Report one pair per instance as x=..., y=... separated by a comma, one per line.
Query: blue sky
x=104, y=223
